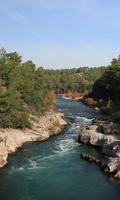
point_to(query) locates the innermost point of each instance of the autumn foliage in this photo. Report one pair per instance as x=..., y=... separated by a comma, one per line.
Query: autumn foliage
x=90, y=102
x=51, y=98
x=72, y=95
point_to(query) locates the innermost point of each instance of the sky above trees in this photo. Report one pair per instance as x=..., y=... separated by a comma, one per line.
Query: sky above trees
x=61, y=33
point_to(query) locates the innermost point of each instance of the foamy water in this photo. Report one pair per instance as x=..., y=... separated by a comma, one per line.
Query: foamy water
x=54, y=170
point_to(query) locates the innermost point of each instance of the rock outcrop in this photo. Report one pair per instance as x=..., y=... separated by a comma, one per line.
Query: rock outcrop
x=90, y=158
x=109, y=144
x=48, y=125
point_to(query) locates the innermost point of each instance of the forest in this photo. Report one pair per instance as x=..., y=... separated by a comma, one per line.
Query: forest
x=27, y=89
x=73, y=80
x=106, y=90
x=22, y=91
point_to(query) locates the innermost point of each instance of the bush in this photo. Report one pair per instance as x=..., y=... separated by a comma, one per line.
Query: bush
x=116, y=117
x=72, y=95
x=90, y=102
x=15, y=120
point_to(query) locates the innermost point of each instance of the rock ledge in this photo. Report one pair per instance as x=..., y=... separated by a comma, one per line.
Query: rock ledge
x=108, y=142
x=52, y=123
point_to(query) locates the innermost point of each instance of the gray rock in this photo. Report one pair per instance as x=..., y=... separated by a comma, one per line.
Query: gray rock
x=109, y=145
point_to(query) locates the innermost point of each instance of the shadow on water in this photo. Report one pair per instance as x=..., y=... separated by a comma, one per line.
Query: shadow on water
x=54, y=170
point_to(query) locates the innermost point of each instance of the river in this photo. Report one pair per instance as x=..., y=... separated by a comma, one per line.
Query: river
x=53, y=170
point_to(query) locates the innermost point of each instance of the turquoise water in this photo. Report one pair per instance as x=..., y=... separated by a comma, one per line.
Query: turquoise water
x=53, y=170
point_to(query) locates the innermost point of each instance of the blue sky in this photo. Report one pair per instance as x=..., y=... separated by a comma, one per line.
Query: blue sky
x=61, y=33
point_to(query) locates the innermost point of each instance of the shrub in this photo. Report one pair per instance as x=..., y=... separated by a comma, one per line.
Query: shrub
x=90, y=102
x=15, y=120
x=72, y=95
x=116, y=117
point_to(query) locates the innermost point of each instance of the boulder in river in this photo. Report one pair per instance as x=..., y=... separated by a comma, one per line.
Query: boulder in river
x=109, y=145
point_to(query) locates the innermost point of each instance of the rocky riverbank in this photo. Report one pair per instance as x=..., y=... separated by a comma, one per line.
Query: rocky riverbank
x=44, y=127
x=106, y=136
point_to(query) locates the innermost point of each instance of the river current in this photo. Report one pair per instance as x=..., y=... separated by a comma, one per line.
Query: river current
x=53, y=170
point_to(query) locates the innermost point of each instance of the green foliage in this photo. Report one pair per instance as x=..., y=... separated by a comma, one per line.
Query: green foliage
x=25, y=89
x=13, y=112
x=22, y=91
x=79, y=80
x=15, y=120
x=108, y=86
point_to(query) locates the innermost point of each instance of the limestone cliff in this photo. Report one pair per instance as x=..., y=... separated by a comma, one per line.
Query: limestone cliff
x=108, y=142
x=42, y=128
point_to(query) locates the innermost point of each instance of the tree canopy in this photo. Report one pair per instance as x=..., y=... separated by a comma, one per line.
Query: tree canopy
x=22, y=90
x=108, y=85
x=26, y=89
